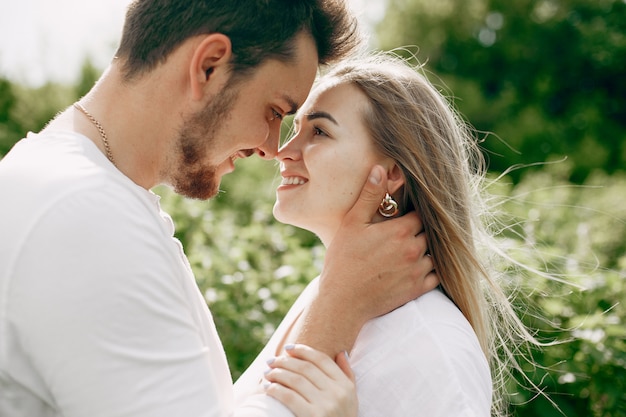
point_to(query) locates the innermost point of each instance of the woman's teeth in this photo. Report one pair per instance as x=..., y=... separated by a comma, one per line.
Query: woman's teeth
x=293, y=181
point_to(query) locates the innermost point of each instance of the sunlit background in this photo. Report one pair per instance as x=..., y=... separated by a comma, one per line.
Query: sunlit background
x=43, y=40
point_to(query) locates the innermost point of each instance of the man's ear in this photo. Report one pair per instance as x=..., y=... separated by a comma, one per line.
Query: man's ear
x=209, y=63
x=395, y=178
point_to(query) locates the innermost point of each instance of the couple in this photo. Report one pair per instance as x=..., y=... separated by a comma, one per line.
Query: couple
x=99, y=311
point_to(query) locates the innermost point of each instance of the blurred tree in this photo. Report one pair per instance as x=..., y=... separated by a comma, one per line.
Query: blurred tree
x=578, y=234
x=24, y=109
x=545, y=77
x=89, y=74
x=9, y=129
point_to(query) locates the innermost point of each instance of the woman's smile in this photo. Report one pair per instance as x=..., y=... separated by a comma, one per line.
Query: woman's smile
x=293, y=181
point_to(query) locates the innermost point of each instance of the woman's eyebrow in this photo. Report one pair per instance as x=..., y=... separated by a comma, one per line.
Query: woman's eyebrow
x=320, y=115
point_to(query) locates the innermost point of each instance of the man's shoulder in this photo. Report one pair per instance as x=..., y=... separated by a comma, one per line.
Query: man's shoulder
x=46, y=172
x=59, y=187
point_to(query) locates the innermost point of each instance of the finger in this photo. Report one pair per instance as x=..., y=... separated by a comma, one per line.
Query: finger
x=409, y=224
x=426, y=279
x=371, y=195
x=330, y=392
x=298, y=374
x=431, y=282
x=412, y=221
x=343, y=361
x=295, y=381
x=408, y=249
x=320, y=360
x=291, y=399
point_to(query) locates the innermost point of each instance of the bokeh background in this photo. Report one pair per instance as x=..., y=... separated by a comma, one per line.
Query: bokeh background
x=544, y=84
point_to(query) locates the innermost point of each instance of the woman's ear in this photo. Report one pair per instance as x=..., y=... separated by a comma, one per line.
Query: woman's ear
x=395, y=178
x=210, y=63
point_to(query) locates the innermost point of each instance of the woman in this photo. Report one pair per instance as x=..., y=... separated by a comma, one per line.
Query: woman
x=432, y=356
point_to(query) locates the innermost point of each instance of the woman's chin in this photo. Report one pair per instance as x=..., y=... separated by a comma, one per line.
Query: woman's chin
x=282, y=215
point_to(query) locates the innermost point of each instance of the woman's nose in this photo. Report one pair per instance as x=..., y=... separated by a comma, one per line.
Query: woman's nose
x=290, y=150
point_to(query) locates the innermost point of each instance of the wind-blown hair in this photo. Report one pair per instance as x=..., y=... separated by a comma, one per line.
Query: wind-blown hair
x=258, y=30
x=411, y=122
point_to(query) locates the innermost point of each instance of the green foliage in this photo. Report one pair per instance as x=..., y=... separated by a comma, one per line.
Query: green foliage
x=9, y=129
x=24, y=109
x=89, y=74
x=578, y=234
x=545, y=77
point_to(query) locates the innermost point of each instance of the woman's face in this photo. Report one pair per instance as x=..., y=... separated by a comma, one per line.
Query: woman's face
x=325, y=165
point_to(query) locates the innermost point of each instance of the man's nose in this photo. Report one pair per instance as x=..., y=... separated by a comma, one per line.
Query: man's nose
x=269, y=148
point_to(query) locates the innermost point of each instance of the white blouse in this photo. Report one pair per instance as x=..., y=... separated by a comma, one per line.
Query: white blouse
x=422, y=359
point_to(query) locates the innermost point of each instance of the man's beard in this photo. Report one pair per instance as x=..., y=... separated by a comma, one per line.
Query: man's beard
x=195, y=177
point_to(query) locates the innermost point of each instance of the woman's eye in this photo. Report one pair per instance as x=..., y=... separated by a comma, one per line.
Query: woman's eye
x=317, y=131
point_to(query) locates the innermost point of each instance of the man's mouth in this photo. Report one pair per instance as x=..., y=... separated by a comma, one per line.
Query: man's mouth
x=242, y=154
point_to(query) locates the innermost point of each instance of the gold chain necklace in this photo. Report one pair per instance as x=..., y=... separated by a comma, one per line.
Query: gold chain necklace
x=98, y=126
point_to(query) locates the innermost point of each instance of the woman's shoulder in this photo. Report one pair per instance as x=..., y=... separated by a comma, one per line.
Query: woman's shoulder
x=431, y=315
x=422, y=353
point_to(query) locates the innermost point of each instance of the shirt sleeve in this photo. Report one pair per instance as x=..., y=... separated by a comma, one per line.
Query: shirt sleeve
x=100, y=308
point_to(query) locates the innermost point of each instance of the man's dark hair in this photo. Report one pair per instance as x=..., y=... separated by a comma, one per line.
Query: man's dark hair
x=258, y=30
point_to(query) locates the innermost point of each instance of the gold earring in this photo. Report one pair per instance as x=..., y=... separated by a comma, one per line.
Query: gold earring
x=388, y=207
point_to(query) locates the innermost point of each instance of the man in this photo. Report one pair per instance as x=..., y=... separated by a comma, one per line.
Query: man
x=99, y=312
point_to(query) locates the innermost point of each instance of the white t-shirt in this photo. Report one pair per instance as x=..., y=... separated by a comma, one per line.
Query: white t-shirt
x=422, y=359
x=100, y=314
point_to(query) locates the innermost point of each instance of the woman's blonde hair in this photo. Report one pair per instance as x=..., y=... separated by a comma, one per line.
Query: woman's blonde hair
x=411, y=122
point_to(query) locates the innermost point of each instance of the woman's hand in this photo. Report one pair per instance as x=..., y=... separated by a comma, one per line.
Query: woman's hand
x=310, y=384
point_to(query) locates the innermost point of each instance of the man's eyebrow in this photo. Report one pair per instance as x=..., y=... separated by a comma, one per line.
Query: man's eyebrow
x=293, y=105
x=320, y=115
